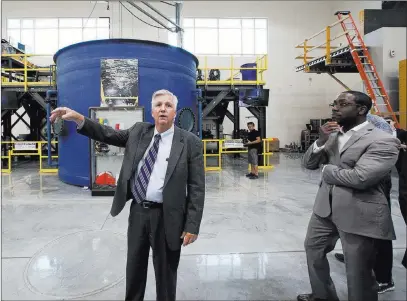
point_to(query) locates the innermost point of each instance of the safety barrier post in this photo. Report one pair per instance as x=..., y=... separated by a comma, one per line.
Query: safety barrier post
x=25, y=74
x=328, y=46
x=219, y=155
x=8, y=157
x=231, y=70
x=38, y=152
x=206, y=70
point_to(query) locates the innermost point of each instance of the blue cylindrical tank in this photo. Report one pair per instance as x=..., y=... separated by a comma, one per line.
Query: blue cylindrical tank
x=160, y=66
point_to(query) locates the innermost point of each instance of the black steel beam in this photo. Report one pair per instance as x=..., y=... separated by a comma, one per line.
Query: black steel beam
x=20, y=117
x=209, y=107
x=38, y=98
x=236, y=122
x=230, y=116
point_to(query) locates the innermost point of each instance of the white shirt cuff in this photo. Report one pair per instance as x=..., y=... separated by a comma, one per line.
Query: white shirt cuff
x=316, y=149
x=80, y=125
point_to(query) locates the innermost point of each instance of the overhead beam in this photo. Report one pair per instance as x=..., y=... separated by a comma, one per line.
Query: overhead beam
x=149, y=15
x=38, y=98
x=338, y=81
x=162, y=15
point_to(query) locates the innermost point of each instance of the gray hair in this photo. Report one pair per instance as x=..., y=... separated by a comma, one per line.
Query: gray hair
x=164, y=92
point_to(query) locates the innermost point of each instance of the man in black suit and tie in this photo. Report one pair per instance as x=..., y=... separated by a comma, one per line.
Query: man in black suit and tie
x=163, y=175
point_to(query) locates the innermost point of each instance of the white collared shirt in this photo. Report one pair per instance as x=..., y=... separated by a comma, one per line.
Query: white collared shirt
x=342, y=137
x=156, y=183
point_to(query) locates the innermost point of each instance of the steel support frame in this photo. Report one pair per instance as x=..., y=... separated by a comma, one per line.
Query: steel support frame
x=178, y=29
x=214, y=103
x=338, y=81
x=260, y=114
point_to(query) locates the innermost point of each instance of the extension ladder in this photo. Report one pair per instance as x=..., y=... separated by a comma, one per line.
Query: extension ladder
x=365, y=66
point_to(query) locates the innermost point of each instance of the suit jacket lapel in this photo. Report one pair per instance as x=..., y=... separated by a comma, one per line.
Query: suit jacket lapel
x=356, y=136
x=143, y=143
x=176, y=149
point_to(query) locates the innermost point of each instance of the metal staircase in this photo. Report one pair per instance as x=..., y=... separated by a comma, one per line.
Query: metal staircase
x=367, y=70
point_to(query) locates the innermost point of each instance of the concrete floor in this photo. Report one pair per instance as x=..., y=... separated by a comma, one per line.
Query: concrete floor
x=58, y=242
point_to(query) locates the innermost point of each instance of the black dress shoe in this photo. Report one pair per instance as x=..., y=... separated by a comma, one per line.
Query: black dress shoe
x=310, y=297
x=340, y=257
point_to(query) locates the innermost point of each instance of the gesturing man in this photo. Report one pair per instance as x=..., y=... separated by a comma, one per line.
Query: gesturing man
x=351, y=202
x=163, y=174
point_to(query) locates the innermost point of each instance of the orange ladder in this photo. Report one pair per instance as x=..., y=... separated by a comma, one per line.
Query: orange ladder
x=365, y=66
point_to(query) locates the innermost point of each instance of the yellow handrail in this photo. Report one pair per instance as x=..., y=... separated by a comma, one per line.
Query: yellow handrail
x=22, y=73
x=37, y=151
x=326, y=45
x=220, y=145
x=261, y=66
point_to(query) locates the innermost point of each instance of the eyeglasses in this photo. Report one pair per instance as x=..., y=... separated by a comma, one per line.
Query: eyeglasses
x=342, y=104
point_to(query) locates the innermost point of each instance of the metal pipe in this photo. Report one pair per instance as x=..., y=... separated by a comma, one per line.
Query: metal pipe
x=180, y=40
x=149, y=15
x=48, y=96
x=323, y=30
x=328, y=46
x=338, y=81
x=165, y=17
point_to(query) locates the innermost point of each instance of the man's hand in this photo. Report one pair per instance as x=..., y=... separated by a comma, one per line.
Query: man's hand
x=325, y=130
x=188, y=238
x=403, y=146
x=66, y=114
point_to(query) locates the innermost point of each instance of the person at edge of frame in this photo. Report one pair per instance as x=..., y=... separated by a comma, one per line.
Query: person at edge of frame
x=350, y=203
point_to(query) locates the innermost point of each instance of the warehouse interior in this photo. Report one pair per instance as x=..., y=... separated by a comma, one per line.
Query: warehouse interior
x=279, y=64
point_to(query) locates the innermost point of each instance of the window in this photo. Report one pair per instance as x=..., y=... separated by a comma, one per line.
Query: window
x=47, y=35
x=206, y=36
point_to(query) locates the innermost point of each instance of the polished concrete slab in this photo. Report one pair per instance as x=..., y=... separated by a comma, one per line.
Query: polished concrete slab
x=58, y=242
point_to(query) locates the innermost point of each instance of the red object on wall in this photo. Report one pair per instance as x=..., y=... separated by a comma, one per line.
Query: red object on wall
x=105, y=178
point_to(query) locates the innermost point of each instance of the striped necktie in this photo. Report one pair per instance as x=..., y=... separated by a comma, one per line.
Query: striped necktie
x=139, y=189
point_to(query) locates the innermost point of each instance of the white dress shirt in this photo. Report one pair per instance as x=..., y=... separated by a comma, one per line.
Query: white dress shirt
x=342, y=138
x=156, y=183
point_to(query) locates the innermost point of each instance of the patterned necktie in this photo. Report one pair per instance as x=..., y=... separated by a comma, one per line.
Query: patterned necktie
x=139, y=189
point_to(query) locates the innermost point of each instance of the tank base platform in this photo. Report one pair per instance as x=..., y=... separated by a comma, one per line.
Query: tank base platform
x=341, y=62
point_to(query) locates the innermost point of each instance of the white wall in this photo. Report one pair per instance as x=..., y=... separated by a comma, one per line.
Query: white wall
x=295, y=97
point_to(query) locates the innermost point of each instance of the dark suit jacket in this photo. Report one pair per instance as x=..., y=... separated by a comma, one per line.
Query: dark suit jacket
x=353, y=181
x=184, y=184
x=401, y=164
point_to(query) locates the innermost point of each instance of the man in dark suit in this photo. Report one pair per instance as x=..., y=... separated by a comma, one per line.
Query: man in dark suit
x=350, y=203
x=402, y=171
x=163, y=174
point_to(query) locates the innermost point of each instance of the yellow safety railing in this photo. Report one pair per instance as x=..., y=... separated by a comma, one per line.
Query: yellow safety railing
x=326, y=45
x=261, y=66
x=362, y=22
x=267, y=153
x=218, y=155
x=20, y=75
x=220, y=145
x=37, y=151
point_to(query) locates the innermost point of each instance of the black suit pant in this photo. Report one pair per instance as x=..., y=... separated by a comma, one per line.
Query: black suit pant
x=384, y=256
x=146, y=229
x=403, y=200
